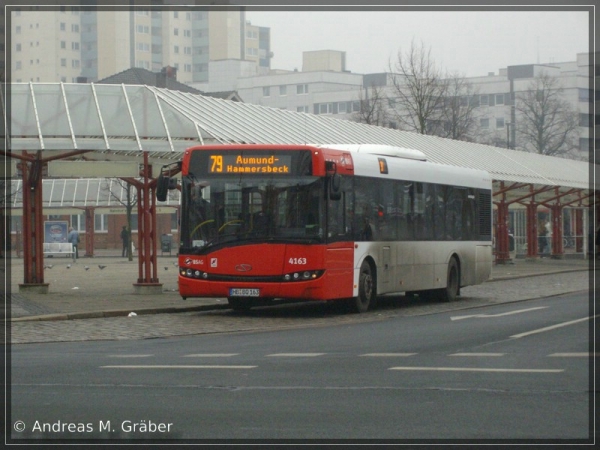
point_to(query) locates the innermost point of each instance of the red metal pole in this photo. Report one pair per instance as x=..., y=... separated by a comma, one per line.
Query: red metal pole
x=502, y=244
x=89, y=231
x=33, y=227
x=557, y=234
x=532, y=241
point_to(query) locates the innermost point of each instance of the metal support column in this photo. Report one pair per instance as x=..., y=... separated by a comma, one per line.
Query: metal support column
x=532, y=241
x=557, y=232
x=33, y=227
x=147, y=256
x=502, y=242
x=89, y=231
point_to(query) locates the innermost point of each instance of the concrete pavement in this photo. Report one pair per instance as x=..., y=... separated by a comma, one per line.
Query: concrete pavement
x=83, y=290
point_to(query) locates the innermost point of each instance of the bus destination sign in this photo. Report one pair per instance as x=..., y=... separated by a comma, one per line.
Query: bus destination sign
x=250, y=164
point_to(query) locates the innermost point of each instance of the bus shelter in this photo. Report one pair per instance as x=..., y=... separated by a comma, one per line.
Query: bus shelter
x=89, y=123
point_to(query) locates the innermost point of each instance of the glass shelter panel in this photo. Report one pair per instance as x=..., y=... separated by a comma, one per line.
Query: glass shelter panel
x=52, y=112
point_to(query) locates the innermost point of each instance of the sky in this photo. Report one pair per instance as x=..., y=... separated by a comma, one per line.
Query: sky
x=470, y=43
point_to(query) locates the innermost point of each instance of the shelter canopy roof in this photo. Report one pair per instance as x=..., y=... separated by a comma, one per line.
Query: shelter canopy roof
x=118, y=120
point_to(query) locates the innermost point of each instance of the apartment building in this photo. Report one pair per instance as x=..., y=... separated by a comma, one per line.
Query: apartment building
x=325, y=86
x=72, y=44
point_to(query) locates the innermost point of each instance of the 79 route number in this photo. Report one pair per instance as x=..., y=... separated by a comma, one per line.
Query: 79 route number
x=297, y=261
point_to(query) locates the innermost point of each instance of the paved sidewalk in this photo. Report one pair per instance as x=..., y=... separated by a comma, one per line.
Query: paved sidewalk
x=84, y=290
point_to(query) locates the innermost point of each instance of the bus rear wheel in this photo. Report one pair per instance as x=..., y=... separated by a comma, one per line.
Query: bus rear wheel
x=366, y=289
x=240, y=304
x=450, y=292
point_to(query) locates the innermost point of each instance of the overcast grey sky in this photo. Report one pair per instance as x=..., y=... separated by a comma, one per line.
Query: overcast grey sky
x=468, y=42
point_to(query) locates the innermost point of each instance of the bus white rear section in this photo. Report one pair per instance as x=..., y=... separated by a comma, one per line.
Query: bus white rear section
x=420, y=265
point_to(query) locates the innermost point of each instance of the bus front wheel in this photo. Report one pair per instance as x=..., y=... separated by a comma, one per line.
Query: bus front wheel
x=366, y=289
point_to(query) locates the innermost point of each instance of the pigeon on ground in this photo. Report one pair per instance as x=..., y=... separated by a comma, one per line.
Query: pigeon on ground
x=68, y=266
x=166, y=268
x=48, y=266
x=86, y=268
x=101, y=266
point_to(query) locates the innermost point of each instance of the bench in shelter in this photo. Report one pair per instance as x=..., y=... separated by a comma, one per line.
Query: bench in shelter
x=58, y=248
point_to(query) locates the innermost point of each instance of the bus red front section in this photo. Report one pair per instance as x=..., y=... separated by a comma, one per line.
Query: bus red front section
x=268, y=270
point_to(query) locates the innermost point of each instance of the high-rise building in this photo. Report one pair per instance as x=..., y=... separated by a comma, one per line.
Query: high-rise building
x=72, y=44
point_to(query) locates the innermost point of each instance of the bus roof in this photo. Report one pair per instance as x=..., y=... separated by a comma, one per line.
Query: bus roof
x=377, y=149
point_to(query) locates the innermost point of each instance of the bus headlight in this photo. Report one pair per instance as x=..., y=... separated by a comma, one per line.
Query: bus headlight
x=303, y=276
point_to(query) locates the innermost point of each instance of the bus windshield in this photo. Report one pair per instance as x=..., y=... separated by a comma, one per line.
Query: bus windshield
x=238, y=209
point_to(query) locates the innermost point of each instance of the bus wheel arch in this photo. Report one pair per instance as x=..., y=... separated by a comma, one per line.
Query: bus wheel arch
x=367, y=286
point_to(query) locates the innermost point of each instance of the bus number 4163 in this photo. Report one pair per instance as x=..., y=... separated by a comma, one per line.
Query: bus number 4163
x=297, y=261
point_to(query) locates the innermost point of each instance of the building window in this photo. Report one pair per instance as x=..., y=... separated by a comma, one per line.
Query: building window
x=100, y=222
x=18, y=29
x=483, y=100
x=63, y=45
x=18, y=65
x=499, y=99
x=585, y=120
x=74, y=45
x=342, y=107
x=283, y=90
x=75, y=28
x=63, y=62
x=18, y=47
x=266, y=91
x=585, y=95
x=176, y=49
x=78, y=222
x=63, y=26
x=585, y=144
x=176, y=31
x=302, y=89
x=500, y=122
x=187, y=33
x=484, y=123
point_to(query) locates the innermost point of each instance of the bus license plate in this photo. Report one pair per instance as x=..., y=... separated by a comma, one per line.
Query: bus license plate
x=244, y=292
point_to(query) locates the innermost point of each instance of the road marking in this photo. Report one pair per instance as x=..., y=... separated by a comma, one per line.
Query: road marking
x=552, y=327
x=177, y=367
x=575, y=354
x=496, y=315
x=385, y=355
x=210, y=355
x=475, y=369
x=476, y=354
x=129, y=356
x=296, y=355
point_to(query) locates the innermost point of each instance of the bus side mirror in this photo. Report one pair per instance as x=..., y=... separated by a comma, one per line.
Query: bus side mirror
x=162, y=187
x=335, y=184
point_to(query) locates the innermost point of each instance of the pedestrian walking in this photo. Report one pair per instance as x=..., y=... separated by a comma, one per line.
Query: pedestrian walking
x=73, y=238
x=125, y=239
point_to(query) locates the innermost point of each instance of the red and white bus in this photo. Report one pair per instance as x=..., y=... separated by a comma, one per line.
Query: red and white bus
x=261, y=223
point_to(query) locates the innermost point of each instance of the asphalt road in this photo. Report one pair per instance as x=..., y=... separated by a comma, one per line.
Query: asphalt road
x=516, y=371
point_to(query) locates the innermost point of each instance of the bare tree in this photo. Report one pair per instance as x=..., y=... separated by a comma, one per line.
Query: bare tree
x=418, y=89
x=125, y=194
x=372, y=107
x=457, y=118
x=546, y=123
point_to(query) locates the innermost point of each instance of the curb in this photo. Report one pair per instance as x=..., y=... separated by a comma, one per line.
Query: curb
x=118, y=313
x=210, y=307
